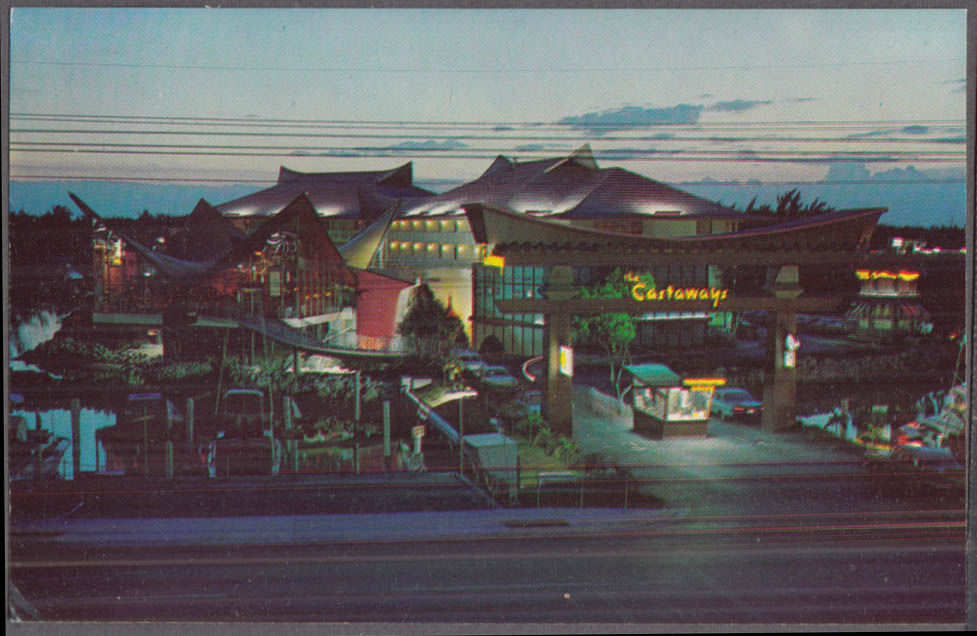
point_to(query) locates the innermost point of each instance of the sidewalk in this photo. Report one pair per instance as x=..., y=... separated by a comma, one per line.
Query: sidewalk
x=342, y=528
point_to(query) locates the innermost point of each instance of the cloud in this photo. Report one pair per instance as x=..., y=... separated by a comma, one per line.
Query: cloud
x=630, y=117
x=916, y=130
x=616, y=154
x=799, y=100
x=739, y=105
x=531, y=147
x=430, y=144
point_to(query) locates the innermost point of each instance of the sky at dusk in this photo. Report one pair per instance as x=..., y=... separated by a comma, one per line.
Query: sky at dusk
x=229, y=95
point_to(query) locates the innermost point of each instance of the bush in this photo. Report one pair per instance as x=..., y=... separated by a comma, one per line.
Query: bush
x=543, y=439
x=530, y=424
x=568, y=452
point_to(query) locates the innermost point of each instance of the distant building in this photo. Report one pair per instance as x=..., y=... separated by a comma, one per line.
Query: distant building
x=888, y=305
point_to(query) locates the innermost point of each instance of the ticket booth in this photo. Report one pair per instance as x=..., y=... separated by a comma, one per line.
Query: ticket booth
x=666, y=405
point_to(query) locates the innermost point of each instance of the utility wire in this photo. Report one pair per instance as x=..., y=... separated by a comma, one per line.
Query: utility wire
x=743, y=157
x=740, y=184
x=460, y=123
x=70, y=146
x=487, y=71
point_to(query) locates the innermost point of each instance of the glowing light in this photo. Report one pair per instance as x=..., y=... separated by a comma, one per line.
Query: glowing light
x=864, y=274
x=641, y=292
x=703, y=382
x=494, y=260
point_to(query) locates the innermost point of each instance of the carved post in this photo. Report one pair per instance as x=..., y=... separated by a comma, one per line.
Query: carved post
x=780, y=380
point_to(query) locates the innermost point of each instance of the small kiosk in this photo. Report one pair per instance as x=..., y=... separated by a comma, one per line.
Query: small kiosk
x=667, y=405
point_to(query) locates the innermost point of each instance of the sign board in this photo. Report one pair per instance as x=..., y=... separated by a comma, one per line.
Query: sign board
x=417, y=431
x=274, y=284
x=789, y=359
x=566, y=361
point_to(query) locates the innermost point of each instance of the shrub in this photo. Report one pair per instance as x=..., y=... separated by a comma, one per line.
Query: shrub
x=568, y=451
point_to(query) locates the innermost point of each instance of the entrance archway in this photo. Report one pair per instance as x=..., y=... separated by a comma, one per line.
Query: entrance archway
x=839, y=237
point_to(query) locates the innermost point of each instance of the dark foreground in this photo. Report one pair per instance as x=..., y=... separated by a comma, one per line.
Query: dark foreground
x=469, y=563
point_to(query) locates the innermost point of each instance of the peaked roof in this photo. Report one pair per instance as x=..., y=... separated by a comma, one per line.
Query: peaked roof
x=846, y=230
x=206, y=231
x=298, y=215
x=339, y=194
x=571, y=187
x=358, y=252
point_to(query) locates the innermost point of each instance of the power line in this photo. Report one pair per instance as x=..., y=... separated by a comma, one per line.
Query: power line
x=496, y=138
x=39, y=146
x=261, y=121
x=474, y=71
x=741, y=158
x=741, y=184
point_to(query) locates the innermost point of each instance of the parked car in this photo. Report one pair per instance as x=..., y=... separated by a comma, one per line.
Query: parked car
x=471, y=363
x=243, y=456
x=732, y=403
x=498, y=377
x=918, y=457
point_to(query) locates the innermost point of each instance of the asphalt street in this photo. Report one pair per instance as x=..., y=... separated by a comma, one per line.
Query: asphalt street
x=500, y=567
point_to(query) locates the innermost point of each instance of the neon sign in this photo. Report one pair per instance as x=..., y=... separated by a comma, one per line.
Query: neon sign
x=641, y=292
x=864, y=274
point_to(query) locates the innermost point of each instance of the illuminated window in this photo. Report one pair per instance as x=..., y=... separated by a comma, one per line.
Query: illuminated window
x=449, y=226
x=417, y=225
x=432, y=226
x=463, y=225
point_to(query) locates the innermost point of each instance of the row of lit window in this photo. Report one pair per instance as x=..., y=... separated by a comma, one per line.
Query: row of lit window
x=437, y=250
x=432, y=225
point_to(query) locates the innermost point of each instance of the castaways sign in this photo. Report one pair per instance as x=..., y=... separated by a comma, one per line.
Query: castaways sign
x=643, y=291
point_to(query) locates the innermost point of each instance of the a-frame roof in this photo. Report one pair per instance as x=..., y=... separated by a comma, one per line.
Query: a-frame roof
x=298, y=216
x=334, y=194
x=570, y=188
x=206, y=232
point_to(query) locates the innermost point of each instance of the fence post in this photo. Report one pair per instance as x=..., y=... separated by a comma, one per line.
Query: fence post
x=356, y=454
x=37, y=455
x=190, y=422
x=293, y=444
x=386, y=434
x=627, y=486
x=75, y=438
x=357, y=407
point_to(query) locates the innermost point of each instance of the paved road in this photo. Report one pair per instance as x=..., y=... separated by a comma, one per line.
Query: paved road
x=551, y=566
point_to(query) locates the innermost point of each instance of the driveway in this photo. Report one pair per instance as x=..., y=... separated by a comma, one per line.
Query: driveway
x=729, y=470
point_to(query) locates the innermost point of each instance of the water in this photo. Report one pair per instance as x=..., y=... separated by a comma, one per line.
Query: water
x=58, y=423
x=30, y=333
x=38, y=329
